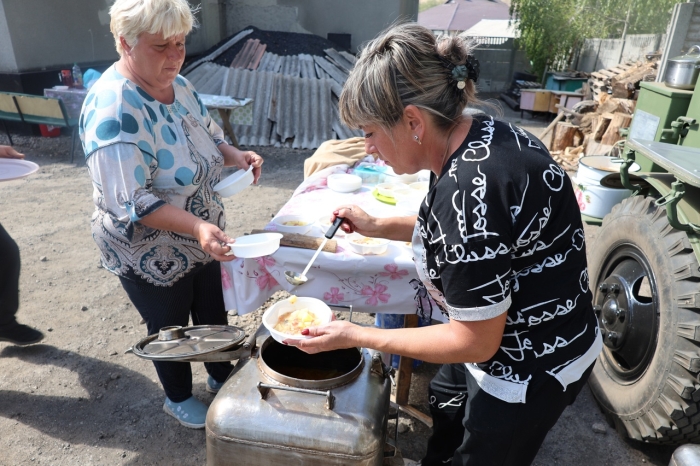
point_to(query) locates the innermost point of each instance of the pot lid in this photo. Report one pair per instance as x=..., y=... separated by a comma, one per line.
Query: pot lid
x=689, y=57
x=178, y=343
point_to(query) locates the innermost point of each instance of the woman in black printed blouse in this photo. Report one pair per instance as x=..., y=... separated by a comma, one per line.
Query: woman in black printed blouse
x=498, y=244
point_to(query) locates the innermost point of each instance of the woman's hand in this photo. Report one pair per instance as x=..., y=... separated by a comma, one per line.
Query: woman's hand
x=242, y=159
x=7, y=152
x=337, y=334
x=356, y=220
x=213, y=240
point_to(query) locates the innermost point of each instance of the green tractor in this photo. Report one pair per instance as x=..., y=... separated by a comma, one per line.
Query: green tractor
x=644, y=272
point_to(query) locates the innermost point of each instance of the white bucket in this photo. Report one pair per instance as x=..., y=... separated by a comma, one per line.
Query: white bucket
x=592, y=168
x=595, y=200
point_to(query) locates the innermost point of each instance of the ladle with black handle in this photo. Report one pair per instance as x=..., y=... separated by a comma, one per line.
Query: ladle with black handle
x=299, y=279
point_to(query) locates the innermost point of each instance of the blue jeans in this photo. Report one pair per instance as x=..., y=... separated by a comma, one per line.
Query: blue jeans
x=199, y=295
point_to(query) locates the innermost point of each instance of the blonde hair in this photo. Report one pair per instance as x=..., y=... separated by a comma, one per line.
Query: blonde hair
x=131, y=18
x=406, y=65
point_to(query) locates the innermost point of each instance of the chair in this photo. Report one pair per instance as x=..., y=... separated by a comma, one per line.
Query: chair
x=8, y=111
x=38, y=110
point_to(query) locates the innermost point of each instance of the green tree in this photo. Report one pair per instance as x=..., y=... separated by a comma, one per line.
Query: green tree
x=552, y=30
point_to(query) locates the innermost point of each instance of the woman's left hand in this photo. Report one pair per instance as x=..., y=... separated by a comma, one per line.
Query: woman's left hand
x=337, y=334
x=242, y=159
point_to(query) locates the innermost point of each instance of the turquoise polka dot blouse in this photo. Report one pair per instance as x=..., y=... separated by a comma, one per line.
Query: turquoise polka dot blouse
x=141, y=155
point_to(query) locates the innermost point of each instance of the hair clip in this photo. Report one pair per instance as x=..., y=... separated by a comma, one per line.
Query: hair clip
x=460, y=73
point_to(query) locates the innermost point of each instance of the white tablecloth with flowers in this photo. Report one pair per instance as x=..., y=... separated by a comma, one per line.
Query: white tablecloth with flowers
x=371, y=283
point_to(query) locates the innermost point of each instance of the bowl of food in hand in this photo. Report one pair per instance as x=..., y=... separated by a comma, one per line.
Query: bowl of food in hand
x=365, y=245
x=389, y=189
x=299, y=224
x=235, y=182
x=286, y=319
x=259, y=245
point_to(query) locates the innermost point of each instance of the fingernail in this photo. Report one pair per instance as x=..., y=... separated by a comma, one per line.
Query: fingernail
x=305, y=331
x=285, y=343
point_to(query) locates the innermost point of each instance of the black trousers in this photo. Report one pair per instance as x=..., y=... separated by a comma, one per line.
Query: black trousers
x=9, y=278
x=199, y=295
x=474, y=428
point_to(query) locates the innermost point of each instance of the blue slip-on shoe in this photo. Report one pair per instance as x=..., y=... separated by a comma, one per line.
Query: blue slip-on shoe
x=213, y=386
x=190, y=413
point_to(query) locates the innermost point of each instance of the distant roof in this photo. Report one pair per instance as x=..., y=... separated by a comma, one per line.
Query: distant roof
x=460, y=15
x=493, y=28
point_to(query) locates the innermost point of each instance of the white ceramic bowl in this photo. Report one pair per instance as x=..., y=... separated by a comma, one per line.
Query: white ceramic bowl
x=299, y=224
x=324, y=222
x=366, y=246
x=597, y=200
x=234, y=183
x=272, y=314
x=259, y=245
x=344, y=182
x=388, y=189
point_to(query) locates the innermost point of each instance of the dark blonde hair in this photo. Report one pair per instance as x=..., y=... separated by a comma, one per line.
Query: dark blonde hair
x=407, y=65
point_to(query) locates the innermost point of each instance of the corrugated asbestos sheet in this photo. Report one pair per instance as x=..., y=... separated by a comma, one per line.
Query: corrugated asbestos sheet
x=295, y=98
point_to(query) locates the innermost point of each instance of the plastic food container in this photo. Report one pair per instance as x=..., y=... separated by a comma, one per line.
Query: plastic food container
x=262, y=244
x=299, y=224
x=272, y=314
x=389, y=189
x=324, y=223
x=235, y=182
x=421, y=186
x=366, y=246
x=344, y=182
x=404, y=178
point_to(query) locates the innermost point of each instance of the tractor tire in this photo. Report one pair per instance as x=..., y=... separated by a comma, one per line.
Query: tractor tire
x=646, y=291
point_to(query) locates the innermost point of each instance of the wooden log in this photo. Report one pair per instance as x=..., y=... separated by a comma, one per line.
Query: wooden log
x=612, y=134
x=601, y=127
x=294, y=240
x=551, y=126
x=563, y=136
x=589, y=122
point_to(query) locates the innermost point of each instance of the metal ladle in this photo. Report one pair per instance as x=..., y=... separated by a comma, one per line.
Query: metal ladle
x=299, y=279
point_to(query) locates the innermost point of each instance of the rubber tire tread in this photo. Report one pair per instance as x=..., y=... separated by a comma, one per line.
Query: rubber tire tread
x=642, y=408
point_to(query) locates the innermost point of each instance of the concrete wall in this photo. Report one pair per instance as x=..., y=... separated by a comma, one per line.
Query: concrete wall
x=45, y=34
x=599, y=54
x=363, y=19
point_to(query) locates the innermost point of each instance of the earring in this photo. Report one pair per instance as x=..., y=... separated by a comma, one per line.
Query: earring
x=415, y=137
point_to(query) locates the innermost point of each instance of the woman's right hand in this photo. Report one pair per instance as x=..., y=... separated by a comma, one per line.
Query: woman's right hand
x=213, y=240
x=7, y=152
x=356, y=220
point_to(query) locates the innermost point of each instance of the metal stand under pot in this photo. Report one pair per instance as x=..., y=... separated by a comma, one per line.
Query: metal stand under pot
x=281, y=406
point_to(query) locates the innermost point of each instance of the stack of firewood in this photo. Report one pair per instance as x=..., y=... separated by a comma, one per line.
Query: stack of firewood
x=589, y=128
x=621, y=81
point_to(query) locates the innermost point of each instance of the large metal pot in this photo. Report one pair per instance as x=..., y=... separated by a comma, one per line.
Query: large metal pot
x=283, y=407
x=682, y=71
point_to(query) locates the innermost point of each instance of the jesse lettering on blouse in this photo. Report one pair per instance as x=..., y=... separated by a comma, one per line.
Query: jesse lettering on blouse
x=154, y=155
x=498, y=245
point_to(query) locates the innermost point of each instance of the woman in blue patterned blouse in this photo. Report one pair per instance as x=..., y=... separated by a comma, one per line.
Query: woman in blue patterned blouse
x=154, y=155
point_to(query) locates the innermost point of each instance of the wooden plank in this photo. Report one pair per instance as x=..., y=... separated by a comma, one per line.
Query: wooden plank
x=414, y=412
x=294, y=240
x=403, y=377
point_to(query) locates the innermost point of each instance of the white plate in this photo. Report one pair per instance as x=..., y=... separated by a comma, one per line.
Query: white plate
x=13, y=169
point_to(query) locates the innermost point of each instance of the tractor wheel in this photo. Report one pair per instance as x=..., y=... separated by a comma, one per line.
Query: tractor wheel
x=646, y=291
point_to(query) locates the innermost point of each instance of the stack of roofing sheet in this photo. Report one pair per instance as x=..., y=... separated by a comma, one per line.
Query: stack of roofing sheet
x=295, y=98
